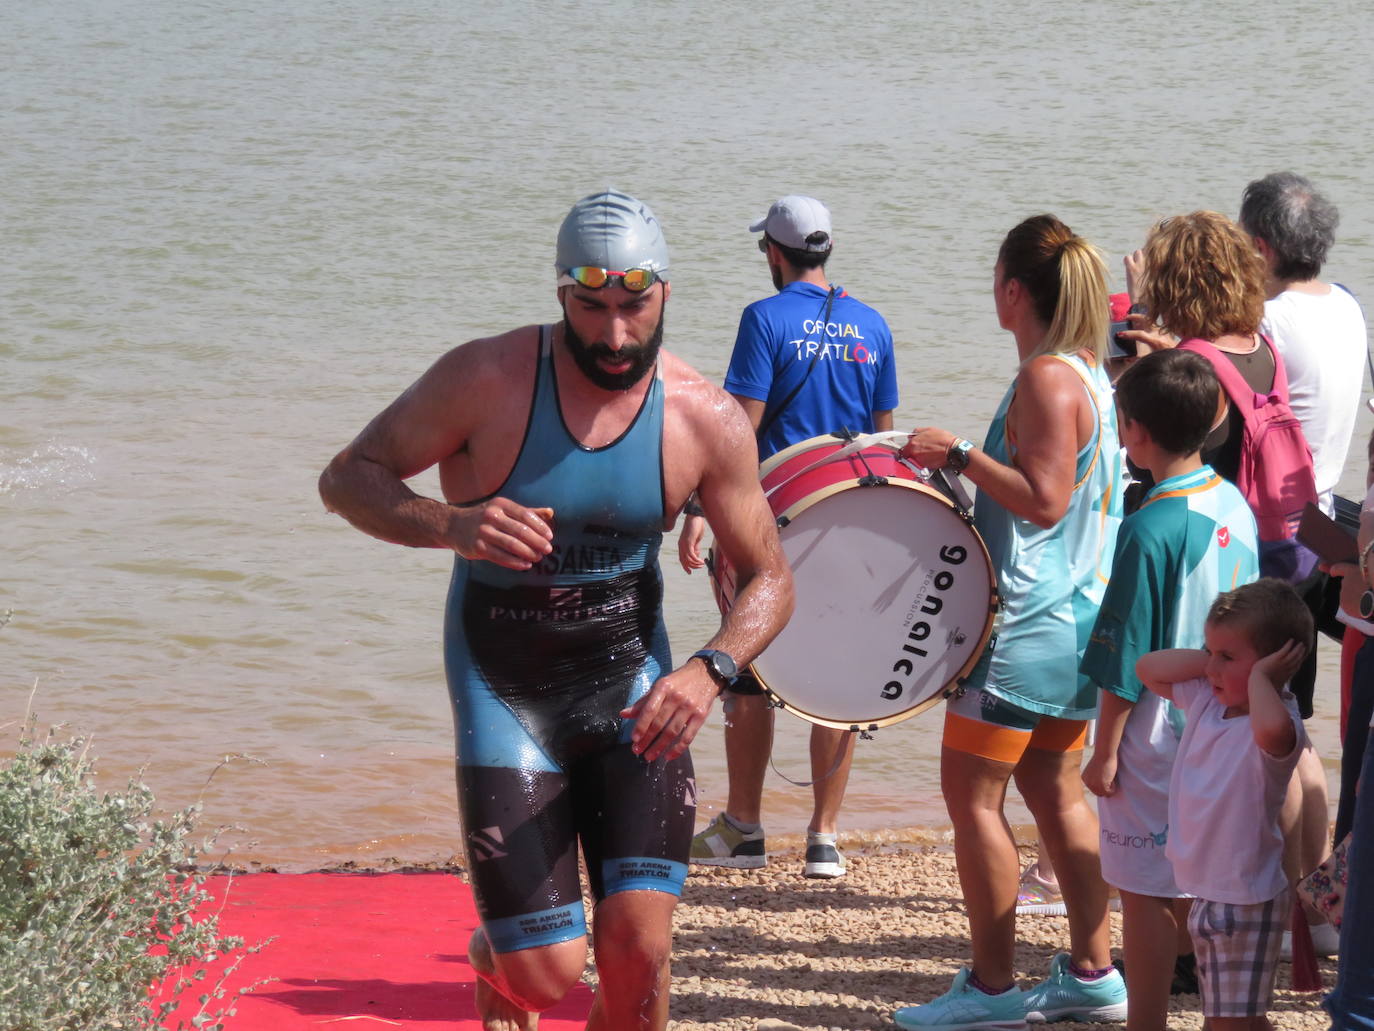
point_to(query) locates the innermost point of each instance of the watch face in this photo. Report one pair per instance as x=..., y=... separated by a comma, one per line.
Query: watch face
x=957, y=458
x=718, y=664
x=1367, y=605
x=723, y=665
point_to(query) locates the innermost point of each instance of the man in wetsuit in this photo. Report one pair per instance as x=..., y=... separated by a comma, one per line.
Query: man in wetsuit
x=808, y=361
x=564, y=452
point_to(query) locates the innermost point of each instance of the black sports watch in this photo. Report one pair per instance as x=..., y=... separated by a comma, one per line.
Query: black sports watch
x=957, y=456
x=1367, y=605
x=722, y=668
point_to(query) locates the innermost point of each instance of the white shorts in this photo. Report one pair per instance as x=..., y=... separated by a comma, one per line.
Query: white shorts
x=1135, y=821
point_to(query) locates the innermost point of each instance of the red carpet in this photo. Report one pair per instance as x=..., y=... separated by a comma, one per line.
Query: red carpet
x=358, y=951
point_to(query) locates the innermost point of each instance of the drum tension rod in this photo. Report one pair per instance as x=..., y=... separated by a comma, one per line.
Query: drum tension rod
x=872, y=479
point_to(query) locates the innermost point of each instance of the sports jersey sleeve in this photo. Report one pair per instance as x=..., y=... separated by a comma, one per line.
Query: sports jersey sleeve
x=751, y=363
x=885, y=397
x=1129, y=624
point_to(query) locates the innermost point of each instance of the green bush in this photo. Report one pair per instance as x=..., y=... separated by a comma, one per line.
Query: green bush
x=99, y=922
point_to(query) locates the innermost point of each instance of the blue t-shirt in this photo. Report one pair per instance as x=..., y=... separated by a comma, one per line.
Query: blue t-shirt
x=849, y=355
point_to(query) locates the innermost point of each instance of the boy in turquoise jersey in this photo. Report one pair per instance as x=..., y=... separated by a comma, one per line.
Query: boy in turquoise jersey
x=1192, y=537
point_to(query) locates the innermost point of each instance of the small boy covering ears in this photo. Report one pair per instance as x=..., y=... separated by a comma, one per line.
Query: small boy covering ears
x=1242, y=740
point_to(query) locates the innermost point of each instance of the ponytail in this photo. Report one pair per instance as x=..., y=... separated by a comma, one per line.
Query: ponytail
x=1066, y=278
x=1081, y=316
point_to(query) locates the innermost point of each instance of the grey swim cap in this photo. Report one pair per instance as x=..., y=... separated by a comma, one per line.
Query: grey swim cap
x=611, y=230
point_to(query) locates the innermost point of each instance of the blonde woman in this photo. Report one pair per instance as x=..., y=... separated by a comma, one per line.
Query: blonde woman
x=1049, y=478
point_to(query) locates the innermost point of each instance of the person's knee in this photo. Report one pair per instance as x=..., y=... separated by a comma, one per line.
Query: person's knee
x=537, y=979
x=633, y=959
x=629, y=948
x=1051, y=787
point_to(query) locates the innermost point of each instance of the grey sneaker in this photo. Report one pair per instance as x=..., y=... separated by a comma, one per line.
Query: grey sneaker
x=823, y=856
x=724, y=844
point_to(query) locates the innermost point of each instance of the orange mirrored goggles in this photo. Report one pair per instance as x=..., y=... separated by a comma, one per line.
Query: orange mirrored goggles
x=636, y=280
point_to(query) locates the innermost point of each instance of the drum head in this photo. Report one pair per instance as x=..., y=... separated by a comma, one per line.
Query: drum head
x=895, y=600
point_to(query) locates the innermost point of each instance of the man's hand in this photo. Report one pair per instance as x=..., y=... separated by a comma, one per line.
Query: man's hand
x=1134, y=264
x=502, y=532
x=1099, y=776
x=1278, y=667
x=669, y=716
x=1352, y=585
x=689, y=542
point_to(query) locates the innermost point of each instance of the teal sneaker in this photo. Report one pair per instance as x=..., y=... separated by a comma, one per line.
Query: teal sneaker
x=1062, y=996
x=967, y=1009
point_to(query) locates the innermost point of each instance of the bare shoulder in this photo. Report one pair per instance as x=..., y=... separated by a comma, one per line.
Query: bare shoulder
x=473, y=391
x=1049, y=373
x=705, y=409
x=486, y=360
x=706, y=433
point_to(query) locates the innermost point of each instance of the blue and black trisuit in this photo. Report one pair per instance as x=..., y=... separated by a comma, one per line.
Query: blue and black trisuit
x=540, y=662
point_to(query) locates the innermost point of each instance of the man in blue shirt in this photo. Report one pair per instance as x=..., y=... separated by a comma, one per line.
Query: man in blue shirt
x=808, y=361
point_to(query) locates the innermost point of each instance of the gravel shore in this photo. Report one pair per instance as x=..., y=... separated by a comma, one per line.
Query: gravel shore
x=769, y=950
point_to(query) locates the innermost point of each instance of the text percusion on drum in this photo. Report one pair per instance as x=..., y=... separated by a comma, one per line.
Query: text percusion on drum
x=943, y=580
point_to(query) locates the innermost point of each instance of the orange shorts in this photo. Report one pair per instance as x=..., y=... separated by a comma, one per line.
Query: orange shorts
x=979, y=723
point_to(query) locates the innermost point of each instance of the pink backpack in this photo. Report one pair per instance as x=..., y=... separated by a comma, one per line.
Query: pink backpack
x=1275, y=473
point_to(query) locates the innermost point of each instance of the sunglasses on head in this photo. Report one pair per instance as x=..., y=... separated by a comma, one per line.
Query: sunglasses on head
x=636, y=280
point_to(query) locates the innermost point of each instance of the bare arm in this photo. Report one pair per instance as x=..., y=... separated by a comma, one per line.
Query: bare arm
x=694, y=526
x=1100, y=772
x=1161, y=670
x=669, y=716
x=432, y=420
x=1046, y=420
x=1270, y=721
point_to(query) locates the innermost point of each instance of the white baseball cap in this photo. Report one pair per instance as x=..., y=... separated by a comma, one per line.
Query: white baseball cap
x=802, y=223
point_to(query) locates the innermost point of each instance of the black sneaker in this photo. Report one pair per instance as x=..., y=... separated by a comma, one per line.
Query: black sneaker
x=823, y=856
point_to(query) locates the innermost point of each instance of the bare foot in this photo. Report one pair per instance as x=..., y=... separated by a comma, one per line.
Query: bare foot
x=496, y=1012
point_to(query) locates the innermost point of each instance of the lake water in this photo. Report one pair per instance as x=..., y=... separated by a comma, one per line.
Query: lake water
x=234, y=231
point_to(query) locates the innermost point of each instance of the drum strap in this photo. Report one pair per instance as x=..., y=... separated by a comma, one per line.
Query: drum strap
x=834, y=765
x=767, y=423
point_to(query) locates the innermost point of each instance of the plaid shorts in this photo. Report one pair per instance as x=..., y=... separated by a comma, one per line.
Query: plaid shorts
x=1237, y=950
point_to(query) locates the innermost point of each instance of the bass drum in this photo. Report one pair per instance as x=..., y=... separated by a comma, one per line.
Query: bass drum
x=895, y=593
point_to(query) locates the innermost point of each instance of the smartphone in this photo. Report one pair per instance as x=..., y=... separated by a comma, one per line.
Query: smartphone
x=1116, y=347
x=1331, y=541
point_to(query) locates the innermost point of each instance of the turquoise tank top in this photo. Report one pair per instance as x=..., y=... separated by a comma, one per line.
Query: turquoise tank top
x=1052, y=580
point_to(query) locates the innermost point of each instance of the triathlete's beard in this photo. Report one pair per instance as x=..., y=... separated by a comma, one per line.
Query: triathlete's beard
x=776, y=272
x=585, y=355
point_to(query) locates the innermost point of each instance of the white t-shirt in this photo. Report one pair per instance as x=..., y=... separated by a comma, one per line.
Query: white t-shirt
x=1324, y=347
x=1224, y=839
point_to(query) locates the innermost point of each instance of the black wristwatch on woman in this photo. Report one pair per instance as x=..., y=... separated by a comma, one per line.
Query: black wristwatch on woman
x=956, y=458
